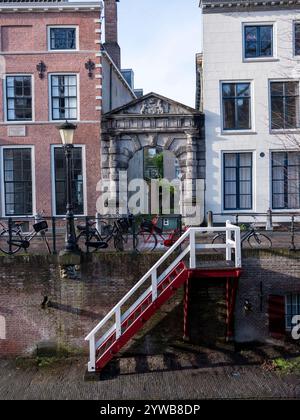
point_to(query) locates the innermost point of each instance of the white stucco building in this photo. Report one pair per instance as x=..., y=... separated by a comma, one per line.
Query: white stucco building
x=251, y=72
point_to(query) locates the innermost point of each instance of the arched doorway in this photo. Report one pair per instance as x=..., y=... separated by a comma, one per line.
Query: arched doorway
x=155, y=129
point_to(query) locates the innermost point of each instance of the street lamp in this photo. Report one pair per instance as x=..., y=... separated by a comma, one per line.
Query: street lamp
x=66, y=132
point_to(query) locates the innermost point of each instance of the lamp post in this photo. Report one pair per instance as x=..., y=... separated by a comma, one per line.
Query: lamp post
x=67, y=131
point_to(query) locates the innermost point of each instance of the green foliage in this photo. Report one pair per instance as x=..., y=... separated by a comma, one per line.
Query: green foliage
x=288, y=365
x=158, y=162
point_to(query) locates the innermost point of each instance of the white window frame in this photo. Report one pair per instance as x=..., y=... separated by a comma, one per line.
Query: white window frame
x=84, y=173
x=271, y=151
x=50, y=95
x=287, y=328
x=2, y=148
x=252, y=109
x=76, y=27
x=253, y=209
x=281, y=130
x=274, y=57
x=295, y=22
x=18, y=122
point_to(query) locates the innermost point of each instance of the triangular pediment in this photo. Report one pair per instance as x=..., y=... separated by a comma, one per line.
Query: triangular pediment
x=153, y=104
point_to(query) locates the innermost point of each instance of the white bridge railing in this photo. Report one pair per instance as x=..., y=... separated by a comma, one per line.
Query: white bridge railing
x=188, y=246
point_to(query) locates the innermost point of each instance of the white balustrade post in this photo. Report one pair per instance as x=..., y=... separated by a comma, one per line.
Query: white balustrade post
x=92, y=362
x=118, y=322
x=238, y=252
x=192, y=248
x=154, y=285
x=228, y=238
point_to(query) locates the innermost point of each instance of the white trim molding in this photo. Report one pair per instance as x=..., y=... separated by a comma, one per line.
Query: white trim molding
x=32, y=148
x=84, y=174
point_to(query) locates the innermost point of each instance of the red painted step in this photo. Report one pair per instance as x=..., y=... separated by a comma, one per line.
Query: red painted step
x=137, y=318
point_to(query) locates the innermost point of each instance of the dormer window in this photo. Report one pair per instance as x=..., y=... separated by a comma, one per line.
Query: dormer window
x=258, y=40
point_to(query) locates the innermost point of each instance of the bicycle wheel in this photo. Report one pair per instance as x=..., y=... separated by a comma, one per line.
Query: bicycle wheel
x=82, y=239
x=259, y=240
x=4, y=242
x=105, y=230
x=145, y=241
x=219, y=239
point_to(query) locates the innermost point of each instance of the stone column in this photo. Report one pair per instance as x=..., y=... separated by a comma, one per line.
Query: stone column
x=193, y=203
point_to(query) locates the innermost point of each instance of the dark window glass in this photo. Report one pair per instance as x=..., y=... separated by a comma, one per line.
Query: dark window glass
x=237, y=181
x=62, y=38
x=60, y=181
x=236, y=106
x=64, y=97
x=286, y=180
x=18, y=98
x=284, y=105
x=258, y=41
x=17, y=181
x=292, y=308
x=297, y=38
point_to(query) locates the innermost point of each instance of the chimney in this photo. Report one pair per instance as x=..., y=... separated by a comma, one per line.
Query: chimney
x=111, y=31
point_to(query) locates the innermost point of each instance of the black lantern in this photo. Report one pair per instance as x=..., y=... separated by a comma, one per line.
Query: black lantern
x=67, y=131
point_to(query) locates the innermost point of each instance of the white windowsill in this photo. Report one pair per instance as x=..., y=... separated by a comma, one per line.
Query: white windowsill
x=285, y=131
x=260, y=59
x=238, y=132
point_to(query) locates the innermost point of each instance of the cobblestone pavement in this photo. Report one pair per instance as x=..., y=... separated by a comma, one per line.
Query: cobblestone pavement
x=65, y=381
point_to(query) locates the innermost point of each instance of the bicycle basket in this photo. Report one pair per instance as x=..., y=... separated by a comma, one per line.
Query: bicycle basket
x=38, y=227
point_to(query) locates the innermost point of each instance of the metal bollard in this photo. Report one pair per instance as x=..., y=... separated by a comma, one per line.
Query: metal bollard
x=269, y=222
x=293, y=246
x=10, y=234
x=210, y=219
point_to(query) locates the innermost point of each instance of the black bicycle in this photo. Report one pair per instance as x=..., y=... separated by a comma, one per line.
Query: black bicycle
x=97, y=235
x=14, y=239
x=255, y=239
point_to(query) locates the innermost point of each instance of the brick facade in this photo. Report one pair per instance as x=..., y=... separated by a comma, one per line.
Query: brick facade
x=77, y=306
x=24, y=44
x=111, y=31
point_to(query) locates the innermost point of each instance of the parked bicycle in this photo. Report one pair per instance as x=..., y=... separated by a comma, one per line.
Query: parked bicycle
x=254, y=238
x=13, y=239
x=150, y=236
x=98, y=234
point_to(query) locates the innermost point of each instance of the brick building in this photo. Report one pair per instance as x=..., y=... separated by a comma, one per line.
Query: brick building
x=53, y=65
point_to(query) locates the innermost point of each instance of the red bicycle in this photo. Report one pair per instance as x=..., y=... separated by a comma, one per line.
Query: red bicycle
x=150, y=236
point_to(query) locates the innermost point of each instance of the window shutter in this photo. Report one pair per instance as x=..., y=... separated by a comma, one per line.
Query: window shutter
x=277, y=316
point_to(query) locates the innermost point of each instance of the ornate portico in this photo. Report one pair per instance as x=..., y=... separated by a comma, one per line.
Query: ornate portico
x=157, y=122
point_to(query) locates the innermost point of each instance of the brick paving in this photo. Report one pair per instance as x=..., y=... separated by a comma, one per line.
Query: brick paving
x=150, y=377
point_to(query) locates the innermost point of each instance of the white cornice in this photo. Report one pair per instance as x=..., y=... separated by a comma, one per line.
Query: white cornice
x=51, y=7
x=223, y=6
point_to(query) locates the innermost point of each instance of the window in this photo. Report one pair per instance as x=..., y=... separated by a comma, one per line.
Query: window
x=63, y=39
x=60, y=181
x=284, y=105
x=64, y=97
x=17, y=178
x=292, y=308
x=236, y=106
x=237, y=181
x=258, y=41
x=286, y=180
x=297, y=38
x=19, y=98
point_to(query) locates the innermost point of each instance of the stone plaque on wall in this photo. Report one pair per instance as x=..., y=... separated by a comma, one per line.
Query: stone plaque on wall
x=16, y=131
